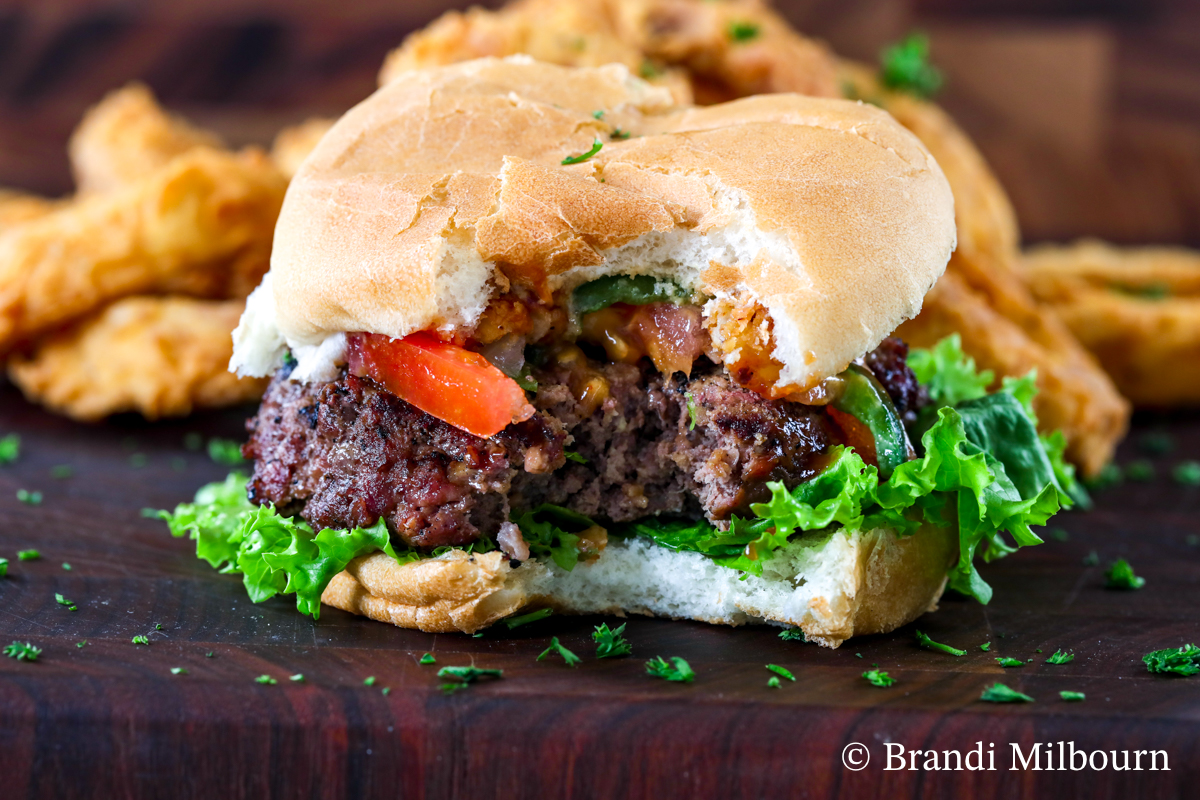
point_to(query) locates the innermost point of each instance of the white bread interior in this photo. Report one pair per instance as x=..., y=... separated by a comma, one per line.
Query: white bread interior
x=832, y=585
x=426, y=198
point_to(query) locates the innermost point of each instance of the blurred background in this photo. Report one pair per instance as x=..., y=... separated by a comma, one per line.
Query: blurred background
x=1088, y=110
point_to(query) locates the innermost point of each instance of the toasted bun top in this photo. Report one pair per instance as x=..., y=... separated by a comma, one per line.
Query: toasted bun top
x=445, y=185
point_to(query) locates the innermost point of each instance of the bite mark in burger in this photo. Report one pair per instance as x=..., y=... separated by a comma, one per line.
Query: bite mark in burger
x=656, y=381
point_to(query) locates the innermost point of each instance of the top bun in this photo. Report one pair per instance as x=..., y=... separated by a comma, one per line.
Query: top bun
x=442, y=185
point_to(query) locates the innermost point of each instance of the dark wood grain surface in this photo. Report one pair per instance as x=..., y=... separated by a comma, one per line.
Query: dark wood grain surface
x=110, y=720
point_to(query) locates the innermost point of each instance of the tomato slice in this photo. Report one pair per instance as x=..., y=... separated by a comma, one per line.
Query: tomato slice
x=444, y=380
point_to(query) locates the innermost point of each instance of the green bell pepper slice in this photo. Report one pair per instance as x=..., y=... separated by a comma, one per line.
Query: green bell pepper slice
x=637, y=290
x=865, y=399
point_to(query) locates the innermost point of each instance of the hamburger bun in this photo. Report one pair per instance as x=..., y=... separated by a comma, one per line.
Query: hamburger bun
x=442, y=188
x=831, y=585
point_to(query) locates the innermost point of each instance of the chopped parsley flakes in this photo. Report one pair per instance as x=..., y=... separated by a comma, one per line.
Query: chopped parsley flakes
x=1187, y=473
x=793, y=635
x=28, y=555
x=225, y=451
x=1183, y=661
x=10, y=448
x=427, y=659
x=464, y=676
x=556, y=647
x=525, y=378
x=139, y=639
x=743, y=30
x=1140, y=470
x=1005, y=661
x=986, y=646
x=22, y=651
x=781, y=672
x=1109, y=475
x=878, y=678
x=648, y=69
x=905, y=66
x=1150, y=291
x=369, y=681
x=525, y=619
x=999, y=693
x=266, y=680
x=468, y=674
x=611, y=643
x=691, y=409
x=774, y=683
x=579, y=159
x=297, y=678
x=178, y=671
x=1157, y=443
x=1120, y=576
x=3, y=567
x=676, y=670
x=571, y=455
x=930, y=644
x=1072, y=697
x=1061, y=657
x=29, y=498
x=62, y=601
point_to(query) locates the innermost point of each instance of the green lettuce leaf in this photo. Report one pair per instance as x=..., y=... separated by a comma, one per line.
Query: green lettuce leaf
x=982, y=468
x=212, y=520
x=1055, y=444
x=553, y=532
x=835, y=496
x=952, y=379
x=274, y=554
x=949, y=373
x=277, y=555
x=281, y=555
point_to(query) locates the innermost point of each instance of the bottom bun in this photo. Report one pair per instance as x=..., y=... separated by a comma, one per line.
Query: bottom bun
x=831, y=585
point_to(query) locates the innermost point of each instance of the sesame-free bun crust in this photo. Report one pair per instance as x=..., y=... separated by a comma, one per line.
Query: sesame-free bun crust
x=833, y=586
x=441, y=188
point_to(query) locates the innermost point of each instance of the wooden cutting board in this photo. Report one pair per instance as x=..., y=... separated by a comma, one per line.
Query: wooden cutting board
x=108, y=719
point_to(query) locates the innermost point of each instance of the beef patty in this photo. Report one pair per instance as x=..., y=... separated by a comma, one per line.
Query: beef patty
x=346, y=453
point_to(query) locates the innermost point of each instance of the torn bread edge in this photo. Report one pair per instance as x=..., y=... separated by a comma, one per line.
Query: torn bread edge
x=833, y=585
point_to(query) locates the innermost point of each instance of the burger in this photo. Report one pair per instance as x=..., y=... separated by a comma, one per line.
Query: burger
x=541, y=337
